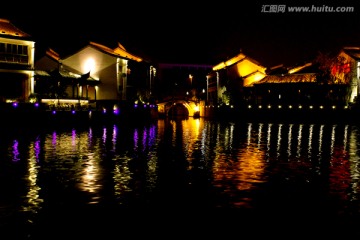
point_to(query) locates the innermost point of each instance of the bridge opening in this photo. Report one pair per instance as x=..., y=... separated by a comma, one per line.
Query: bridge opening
x=178, y=110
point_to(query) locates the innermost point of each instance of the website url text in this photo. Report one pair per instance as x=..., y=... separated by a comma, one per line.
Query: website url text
x=307, y=9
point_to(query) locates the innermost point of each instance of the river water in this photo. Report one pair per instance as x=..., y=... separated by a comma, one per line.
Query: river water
x=177, y=178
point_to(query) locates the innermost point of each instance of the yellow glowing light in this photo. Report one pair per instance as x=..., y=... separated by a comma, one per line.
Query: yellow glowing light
x=120, y=50
x=68, y=101
x=294, y=70
x=247, y=68
x=89, y=65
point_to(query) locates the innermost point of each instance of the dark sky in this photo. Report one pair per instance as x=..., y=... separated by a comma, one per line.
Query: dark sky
x=191, y=32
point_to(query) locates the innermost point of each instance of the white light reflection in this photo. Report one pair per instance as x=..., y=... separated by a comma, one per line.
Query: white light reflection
x=104, y=135
x=311, y=129
x=90, y=137
x=228, y=137
x=231, y=137
x=259, y=135
x=321, y=135
x=268, y=138
x=354, y=160
x=299, y=138
x=279, y=140
x=332, y=139
x=289, y=140
x=346, y=136
x=249, y=134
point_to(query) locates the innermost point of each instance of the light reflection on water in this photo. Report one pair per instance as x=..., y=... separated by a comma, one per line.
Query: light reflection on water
x=195, y=163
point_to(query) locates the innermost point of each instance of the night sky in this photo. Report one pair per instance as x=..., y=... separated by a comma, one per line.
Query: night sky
x=191, y=32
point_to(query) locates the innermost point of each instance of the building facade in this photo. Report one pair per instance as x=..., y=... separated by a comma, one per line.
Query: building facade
x=17, y=51
x=94, y=74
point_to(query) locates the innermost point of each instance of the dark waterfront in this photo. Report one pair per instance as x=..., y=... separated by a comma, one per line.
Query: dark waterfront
x=180, y=178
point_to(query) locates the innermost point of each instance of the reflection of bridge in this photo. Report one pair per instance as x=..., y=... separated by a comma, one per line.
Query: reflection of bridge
x=180, y=107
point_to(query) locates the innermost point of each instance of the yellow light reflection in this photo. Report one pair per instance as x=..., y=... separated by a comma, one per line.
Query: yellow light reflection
x=241, y=170
x=90, y=176
x=71, y=155
x=33, y=201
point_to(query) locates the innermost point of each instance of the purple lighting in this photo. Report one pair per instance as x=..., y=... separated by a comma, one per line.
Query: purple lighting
x=73, y=111
x=36, y=104
x=15, y=104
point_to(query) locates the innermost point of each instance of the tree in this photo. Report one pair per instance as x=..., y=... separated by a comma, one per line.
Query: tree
x=333, y=69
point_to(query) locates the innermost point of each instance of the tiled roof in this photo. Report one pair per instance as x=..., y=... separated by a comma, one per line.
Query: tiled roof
x=120, y=51
x=238, y=58
x=276, y=70
x=353, y=52
x=52, y=54
x=289, y=78
x=123, y=53
x=7, y=28
x=305, y=68
x=102, y=48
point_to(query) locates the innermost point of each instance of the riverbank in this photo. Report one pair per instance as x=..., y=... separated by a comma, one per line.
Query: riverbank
x=299, y=115
x=32, y=114
x=25, y=114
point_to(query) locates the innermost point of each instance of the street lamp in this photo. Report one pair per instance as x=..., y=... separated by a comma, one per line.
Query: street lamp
x=152, y=76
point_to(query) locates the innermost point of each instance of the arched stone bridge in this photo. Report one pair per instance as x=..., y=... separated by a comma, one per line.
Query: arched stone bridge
x=179, y=107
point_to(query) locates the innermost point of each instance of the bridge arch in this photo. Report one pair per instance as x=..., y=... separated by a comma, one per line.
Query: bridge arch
x=186, y=108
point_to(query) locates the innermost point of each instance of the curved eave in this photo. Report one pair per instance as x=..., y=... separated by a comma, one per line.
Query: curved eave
x=238, y=58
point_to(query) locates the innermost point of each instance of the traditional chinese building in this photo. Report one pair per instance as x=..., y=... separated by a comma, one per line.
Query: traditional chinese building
x=17, y=50
x=94, y=73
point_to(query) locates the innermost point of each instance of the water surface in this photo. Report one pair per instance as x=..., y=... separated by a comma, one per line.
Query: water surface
x=176, y=175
